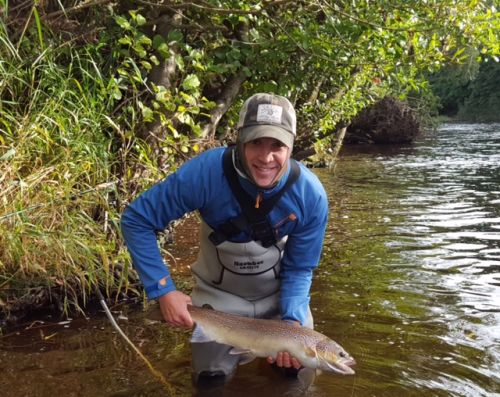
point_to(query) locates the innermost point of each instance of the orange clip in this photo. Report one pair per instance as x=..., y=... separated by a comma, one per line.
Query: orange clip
x=258, y=200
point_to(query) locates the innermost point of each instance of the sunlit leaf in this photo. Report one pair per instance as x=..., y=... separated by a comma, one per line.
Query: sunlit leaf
x=140, y=20
x=191, y=82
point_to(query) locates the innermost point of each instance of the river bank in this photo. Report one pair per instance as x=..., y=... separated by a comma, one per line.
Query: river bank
x=44, y=300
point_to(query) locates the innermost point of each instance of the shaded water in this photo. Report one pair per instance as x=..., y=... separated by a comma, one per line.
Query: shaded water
x=409, y=284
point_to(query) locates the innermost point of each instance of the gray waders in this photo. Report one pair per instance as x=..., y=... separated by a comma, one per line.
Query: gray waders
x=236, y=278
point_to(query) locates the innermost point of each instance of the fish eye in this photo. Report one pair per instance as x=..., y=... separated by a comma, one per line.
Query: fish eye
x=342, y=354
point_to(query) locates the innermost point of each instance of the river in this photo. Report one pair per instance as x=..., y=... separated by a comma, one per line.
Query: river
x=409, y=284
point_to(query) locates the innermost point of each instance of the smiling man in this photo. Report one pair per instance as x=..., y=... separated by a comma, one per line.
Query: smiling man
x=263, y=218
x=265, y=159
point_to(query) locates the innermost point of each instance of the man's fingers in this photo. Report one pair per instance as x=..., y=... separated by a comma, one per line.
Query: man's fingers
x=295, y=363
x=284, y=359
x=287, y=360
x=279, y=359
x=181, y=321
x=188, y=322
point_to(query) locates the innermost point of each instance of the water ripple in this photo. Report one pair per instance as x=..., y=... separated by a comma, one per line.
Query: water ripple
x=439, y=224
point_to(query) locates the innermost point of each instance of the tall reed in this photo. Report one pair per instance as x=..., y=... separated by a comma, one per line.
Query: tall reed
x=60, y=149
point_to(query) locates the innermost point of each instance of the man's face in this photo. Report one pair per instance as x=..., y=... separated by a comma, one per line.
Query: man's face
x=265, y=158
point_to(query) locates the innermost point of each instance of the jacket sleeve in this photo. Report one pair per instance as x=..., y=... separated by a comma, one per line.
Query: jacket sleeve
x=301, y=257
x=182, y=192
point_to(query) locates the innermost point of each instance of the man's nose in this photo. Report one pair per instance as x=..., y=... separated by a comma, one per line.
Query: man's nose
x=266, y=154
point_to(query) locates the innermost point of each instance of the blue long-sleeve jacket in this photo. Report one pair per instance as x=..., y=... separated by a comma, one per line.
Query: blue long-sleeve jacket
x=200, y=184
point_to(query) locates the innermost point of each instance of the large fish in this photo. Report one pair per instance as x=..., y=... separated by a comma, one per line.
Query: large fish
x=252, y=338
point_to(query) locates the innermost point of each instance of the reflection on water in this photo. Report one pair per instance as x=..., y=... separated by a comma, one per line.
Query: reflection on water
x=418, y=233
x=409, y=284
x=87, y=358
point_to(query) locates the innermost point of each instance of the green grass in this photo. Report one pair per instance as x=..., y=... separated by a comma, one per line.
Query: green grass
x=61, y=156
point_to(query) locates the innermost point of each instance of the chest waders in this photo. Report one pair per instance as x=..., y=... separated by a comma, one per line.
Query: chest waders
x=239, y=278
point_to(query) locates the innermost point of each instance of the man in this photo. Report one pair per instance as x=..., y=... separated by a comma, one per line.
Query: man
x=263, y=218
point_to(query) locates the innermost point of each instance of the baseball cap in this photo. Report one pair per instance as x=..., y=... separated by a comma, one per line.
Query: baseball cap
x=267, y=116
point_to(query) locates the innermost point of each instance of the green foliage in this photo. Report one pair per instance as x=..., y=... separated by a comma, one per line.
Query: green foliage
x=483, y=99
x=450, y=85
x=350, y=53
x=176, y=108
x=469, y=91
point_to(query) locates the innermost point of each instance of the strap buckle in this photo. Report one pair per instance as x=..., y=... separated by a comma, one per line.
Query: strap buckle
x=263, y=232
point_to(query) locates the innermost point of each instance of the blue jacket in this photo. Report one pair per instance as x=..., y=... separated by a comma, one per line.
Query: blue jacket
x=200, y=184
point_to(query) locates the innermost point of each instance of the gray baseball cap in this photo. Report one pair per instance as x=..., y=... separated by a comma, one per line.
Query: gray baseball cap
x=267, y=116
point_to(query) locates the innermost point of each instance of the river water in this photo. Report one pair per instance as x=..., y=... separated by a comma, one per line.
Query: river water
x=409, y=284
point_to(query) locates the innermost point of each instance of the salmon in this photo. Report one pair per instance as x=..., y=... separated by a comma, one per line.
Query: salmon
x=251, y=337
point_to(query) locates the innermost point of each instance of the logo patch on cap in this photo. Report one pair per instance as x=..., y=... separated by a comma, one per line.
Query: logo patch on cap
x=269, y=113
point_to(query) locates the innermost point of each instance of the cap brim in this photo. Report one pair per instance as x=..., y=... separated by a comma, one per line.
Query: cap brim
x=248, y=134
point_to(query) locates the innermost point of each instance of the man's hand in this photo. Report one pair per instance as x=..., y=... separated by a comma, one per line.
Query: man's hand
x=283, y=359
x=173, y=308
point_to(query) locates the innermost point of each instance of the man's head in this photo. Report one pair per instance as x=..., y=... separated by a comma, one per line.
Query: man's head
x=267, y=116
x=266, y=132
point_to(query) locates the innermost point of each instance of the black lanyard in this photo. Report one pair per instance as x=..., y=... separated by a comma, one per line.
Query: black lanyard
x=251, y=219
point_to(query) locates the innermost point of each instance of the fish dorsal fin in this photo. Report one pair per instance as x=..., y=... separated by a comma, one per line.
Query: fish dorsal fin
x=199, y=336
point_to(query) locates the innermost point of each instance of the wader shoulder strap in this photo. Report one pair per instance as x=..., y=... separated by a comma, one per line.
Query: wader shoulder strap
x=251, y=217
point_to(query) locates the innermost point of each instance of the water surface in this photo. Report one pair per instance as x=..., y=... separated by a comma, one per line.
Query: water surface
x=413, y=267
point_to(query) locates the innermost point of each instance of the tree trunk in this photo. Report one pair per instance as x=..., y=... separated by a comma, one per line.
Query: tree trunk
x=228, y=93
x=162, y=75
x=315, y=92
x=338, y=146
x=224, y=102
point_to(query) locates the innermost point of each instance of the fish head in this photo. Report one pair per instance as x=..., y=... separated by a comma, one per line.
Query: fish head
x=333, y=358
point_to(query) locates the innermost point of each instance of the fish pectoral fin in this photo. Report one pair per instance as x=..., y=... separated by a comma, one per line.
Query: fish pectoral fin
x=199, y=336
x=246, y=355
x=246, y=358
x=306, y=377
x=238, y=350
x=310, y=352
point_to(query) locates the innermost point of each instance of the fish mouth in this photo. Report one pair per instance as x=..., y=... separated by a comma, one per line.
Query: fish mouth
x=343, y=366
x=347, y=364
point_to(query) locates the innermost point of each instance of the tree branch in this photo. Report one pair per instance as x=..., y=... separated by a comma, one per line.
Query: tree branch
x=76, y=8
x=302, y=154
x=416, y=27
x=317, y=89
x=218, y=10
